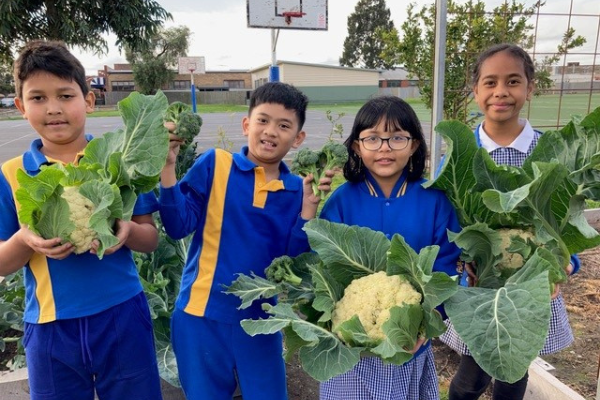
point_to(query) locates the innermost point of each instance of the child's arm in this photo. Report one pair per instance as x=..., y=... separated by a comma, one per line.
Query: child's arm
x=18, y=250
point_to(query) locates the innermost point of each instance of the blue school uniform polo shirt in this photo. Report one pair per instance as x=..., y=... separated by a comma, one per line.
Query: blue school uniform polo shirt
x=240, y=223
x=79, y=285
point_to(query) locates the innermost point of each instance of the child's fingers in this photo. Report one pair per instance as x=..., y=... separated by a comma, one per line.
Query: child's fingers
x=170, y=126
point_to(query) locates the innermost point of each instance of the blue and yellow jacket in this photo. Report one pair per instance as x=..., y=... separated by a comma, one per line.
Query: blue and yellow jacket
x=240, y=224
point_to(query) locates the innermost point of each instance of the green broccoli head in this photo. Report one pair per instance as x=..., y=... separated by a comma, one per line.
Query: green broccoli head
x=187, y=122
x=331, y=156
x=335, y=155
x=280, y=271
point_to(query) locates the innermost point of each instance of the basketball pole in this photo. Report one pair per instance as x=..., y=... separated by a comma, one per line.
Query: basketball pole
x=193, y=86
x=274, y=69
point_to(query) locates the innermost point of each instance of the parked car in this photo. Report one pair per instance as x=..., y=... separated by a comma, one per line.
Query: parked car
x=7, y=102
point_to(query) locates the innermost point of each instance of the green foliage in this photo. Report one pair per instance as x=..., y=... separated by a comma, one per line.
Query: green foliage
x=546, y=196
x=82, y=23
x=470, y=30
x=116, y=167
x=342, y=253
x=160, y=273
x=6, y=79
x=363, y=45
x=153, y=65
x=12, y=306
x=331, y=156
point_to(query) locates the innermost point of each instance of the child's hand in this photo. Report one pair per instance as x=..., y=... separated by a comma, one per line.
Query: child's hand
x=324, y=186
x=471, y=274
x=123, y=229
x=569, y=271
x=51, y=248
x=420, y=342
x=174, y=143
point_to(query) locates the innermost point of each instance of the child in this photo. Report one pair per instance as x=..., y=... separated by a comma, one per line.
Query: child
x=503, y=80
x=244, y=209
x=387, y=153
x=87, y=322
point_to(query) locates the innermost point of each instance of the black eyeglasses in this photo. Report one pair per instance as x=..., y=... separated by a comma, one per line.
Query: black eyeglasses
x=395, y=142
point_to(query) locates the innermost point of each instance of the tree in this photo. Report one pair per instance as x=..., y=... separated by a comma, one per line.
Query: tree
x=366, y=26
x=6, y=80
x=79, y=23
x=154, y=66
x=470, y=30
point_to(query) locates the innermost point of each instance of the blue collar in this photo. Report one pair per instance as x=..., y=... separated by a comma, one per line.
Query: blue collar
x=33, y=159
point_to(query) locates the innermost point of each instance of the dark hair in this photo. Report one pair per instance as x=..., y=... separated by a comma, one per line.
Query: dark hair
x=48, y=56
x=397, y=114
x=514, y=50
x=281, y=93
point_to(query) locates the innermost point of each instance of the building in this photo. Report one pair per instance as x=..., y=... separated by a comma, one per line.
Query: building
x=323, y=83
x=116, y=82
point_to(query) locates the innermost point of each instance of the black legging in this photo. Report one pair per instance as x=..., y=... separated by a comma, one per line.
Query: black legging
x=470, y=381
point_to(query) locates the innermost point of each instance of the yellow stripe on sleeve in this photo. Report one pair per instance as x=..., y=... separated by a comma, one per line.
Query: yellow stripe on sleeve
x=211, y=236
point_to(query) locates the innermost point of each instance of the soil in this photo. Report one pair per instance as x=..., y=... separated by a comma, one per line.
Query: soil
x=576, y=366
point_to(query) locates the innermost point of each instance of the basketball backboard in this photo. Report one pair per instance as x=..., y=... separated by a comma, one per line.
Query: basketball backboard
x=189, y=65
x=287, y=14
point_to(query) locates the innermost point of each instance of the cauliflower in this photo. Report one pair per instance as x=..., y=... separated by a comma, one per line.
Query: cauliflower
x=80, y=211
x=511, y=260
x=370, y=298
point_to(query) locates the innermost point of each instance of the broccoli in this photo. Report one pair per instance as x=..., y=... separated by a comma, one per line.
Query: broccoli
x=280, y=270
x=331, y=156
x=187, y=123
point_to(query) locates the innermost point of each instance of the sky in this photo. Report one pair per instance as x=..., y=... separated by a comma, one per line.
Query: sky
x=221, y=35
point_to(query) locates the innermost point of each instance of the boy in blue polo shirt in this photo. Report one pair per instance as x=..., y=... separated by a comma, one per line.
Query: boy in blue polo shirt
x=245, y=209
x=87, y=322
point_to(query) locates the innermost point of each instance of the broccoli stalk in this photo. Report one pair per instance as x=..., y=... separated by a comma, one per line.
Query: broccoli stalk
x=280, y=271
x=331, y=156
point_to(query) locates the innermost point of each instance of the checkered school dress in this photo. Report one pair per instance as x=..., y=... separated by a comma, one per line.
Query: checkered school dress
x=560, y=334
x=371, y=379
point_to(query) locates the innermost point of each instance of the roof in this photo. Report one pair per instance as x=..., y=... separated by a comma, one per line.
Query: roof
x=279, y=62
x=398, y=74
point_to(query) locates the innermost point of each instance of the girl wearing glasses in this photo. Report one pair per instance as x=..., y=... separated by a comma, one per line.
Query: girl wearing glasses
x=384, y=173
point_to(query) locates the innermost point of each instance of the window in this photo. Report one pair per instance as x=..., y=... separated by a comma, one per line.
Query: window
x=179, y=85
x=238, y=84
x=123, y=86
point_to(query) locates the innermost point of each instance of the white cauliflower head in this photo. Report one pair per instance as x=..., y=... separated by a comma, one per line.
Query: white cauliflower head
x=512, y=260
x=80, y=211
x=370, y=298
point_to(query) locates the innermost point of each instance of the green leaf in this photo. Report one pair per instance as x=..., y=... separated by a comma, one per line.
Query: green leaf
x=349, y=252
x=323, y=356
x=252, y=288
x=503, y=328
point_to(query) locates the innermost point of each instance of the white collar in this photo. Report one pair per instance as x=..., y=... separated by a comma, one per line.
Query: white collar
x=521, y=142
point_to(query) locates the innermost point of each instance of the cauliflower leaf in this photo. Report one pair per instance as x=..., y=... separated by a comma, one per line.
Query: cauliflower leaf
x=359, y=294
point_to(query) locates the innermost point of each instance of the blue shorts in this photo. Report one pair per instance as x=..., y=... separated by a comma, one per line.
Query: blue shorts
x=111, y=352
x=211, y=354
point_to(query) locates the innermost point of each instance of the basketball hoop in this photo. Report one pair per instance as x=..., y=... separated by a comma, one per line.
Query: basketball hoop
x=192, y=67
x=288, y=15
